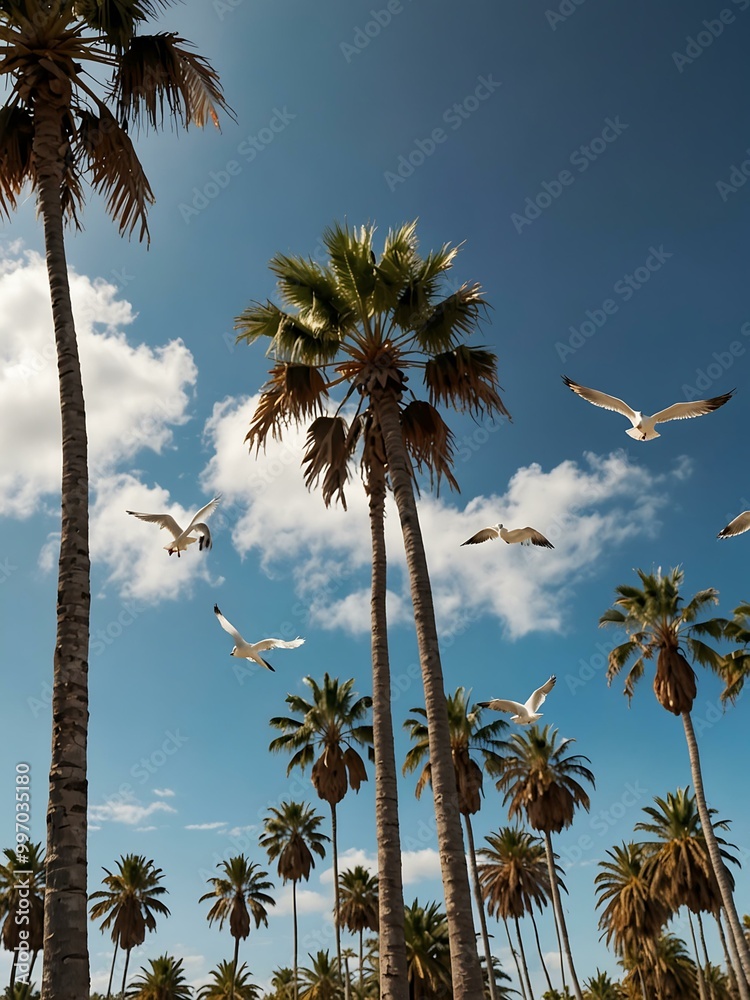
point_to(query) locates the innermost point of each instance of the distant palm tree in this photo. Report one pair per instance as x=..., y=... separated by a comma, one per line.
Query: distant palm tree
x=283, y=984
x=30, y=861
x=322, y=980
x=540, y=782
x=227, y=986
x=467, y=736
x=63, y=123
x=329, y=726
x=242, y=884
x=658, y=621
x=370, y=320
x=165, y=980
x=427, y=951
x=291, y=835
x=358, y=892
x=128, y=905
x=718, y=984
x=667, y=970
x=601, y=987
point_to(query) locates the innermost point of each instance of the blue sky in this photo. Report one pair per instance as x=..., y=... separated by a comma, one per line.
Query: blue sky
x=581, y=160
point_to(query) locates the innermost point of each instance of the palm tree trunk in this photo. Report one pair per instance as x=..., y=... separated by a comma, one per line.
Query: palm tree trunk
x=393, y=965
x=112, y=971
x=727, y=960
x=557, y=906
x=66, y=965
x=737, y=943
x=541, y=956
x=294, y=915
x=706, y=959
x=514, y=953
x=698, y=968
x=523, y=959
x=336, y=910
x=125, y=971
x=465, y=969
x=12, y=984
x=234, y=962
x=361, y=956
x=480, y=905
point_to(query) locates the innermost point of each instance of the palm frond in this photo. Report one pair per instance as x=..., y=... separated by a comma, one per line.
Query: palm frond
x=429, y=441
x=455, y=317
x=350, y=254
x=612, y=617
x=705, y=655
x=16, y=161
x=465, y=378
x=692, y=609
x=327, y=455
x=618, y=657
x=118, y=20
x=311, y=289
x=293, y=394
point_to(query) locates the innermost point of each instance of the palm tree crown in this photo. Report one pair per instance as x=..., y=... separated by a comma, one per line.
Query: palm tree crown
x=633, y=914
x=165, y=980
x=292, y=836
x=226, y=986
x=514, y=874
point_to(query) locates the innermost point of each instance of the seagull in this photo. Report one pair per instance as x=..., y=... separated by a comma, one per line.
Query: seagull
x=183, y=538
x=643, y=425
x=737, y=526
x=524, y=714
x=251, y=650
x=526, y=536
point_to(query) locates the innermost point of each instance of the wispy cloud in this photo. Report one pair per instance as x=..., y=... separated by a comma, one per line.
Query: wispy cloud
x=216, y=825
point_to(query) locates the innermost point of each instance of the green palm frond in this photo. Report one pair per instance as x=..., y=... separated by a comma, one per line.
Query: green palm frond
x=456, y=316
x=350, y=255
x=311, y=289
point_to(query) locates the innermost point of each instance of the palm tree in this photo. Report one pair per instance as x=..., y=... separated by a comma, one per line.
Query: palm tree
x=667, y=969
x=61, y=122
x=330, y=725
x=467, y=734
x=242, y=884
x=284, y=984
x=359, y=905
x=633, y=914
x=514, y=877
x=322, y=981
x=291, y=835
x=601, y=987
x=657, y=621
x=227, y=986
x=23, y=869
x=165, y=980
x=128, y=905
x=427, y=951
x=540, y=782
x=370, y=320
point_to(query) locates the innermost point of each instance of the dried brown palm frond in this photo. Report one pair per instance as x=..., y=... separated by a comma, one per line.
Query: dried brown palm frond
x=16, y=161
x=429, y=441
x=118, y=20
x=466, y=379
x=292, y=394
x=355, y=767
x=469, y=782
x=674, y=683
x=328, y=775
x=327, y=455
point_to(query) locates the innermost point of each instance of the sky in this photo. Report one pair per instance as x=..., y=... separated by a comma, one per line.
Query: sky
x=591, y=159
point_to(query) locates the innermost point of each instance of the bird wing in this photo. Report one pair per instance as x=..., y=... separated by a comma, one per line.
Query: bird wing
x=482, y=536
x=600, y=399
x=528, y=535
x=204, y=512
x=163, y=520
x=205, y=535
x=228, y=627
x=277, y=644
x=539, y=695
x=503, y=705
x=737, y=526
x=681, y=411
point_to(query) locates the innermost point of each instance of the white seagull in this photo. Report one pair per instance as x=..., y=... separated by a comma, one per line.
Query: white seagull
x=183, y=538
x=737, y=526
x=524, y=714
x=643, y=424
x=251, y=650
x=526, y=536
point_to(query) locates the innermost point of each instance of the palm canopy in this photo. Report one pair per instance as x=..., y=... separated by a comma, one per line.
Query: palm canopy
x=130, y=901
x=467, y=735
x=364, y=322
x=321, y=980
x=359, y=899
x=165, y=980
x=657, y=620
x=427, y=950
x=514, y=875
x=330, y=727
x=225, y=985
x=30, y=861
x=737, y=663
x=291, y=836
x=632, y=913
x=52, y=56
x=242, y=885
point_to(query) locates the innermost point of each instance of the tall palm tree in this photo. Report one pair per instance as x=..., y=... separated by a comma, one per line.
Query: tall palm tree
x=515, y=877
x=243, y=884
x=128, y=905
x=358, y=892
x=427, y=951
x=61, y=122
x=165, y=980
x=467, y=735
x=322, y=980
x=658, y=621
x=29, y=861
x=365, y=321
x=227, y=986
x=292, y=836
x=330, y=726
x=540, y=782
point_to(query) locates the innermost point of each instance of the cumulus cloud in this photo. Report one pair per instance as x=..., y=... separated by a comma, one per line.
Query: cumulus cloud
x=416, y=866
x=125, y=809
x=308, y=901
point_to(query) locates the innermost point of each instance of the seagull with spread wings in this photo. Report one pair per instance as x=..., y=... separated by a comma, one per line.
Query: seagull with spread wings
x=524, y=714
x=181, y=539
x=643, y=424
x=252, y=650
x=526, y=536
x=737, y=526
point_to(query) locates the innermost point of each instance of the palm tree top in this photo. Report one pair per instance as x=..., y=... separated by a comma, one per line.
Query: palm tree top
x=242, y=881
x=291, y=834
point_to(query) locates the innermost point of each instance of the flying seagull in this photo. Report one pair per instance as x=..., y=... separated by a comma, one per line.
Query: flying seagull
x=737, y=526
x=526, y=536
x=643, y=424
x=252, y=650
x=183, y=538
x=524, y=714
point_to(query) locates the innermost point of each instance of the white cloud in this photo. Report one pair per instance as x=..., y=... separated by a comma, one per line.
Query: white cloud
x=416, y=866
x=308, y=901
x=350, y=858
x=218, y=825
x=164, y=793
x=125, y=809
